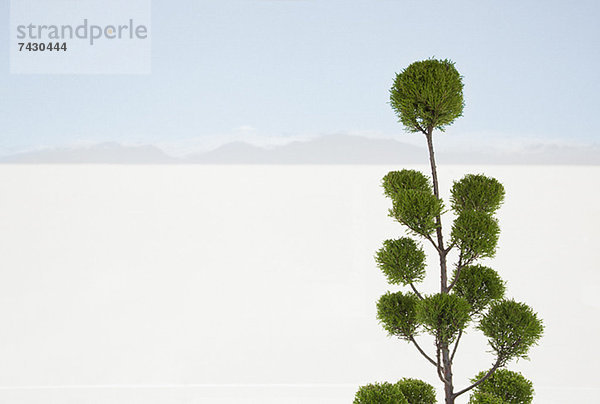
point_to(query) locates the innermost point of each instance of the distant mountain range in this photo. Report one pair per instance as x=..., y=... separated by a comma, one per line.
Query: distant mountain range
x=331, y=149
x=103, y=153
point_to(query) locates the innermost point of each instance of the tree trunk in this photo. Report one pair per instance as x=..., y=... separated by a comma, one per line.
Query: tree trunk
x=446, y=361
x=438, y=219
x=448, y=386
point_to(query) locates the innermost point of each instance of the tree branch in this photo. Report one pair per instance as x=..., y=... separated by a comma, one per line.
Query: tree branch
x=460, y=333
x=438, y=364
x=459, y=266
x=478, y=382
x=416, y=291
x=412, y=339
x=428, y=237
x=420, y=128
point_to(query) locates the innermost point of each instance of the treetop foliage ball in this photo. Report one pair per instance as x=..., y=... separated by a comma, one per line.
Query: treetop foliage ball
x=397, y=314
x=476, y=234
x=512, y=328
x=443, y=315
x=402, y=261
x=479, y=285
x=395, y=182
x=380, y=393
x=477, y=192
x=510, y=387
x=417, y=391
x=484, y=398
x=427, y=95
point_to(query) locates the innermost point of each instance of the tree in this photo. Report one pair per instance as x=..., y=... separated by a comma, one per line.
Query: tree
x=428, y=96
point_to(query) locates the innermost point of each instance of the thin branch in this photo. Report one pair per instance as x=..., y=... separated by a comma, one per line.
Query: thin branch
x=416, y=291
x=439, y=366
x=460, y=333
x=478, y=382
x=412, y=339
x=428, y=237
x=459, y=266
x=447, y=250
x=470, y=260
x=420, y=128
x=438, y=218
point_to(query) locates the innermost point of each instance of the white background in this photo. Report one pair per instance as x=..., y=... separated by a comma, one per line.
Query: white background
x=239, y=284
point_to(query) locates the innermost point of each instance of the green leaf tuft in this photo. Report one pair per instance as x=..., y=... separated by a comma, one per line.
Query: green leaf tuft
x=380, y=393
x=479, y=285
x=397, y=313
x=485, y=398
x=417, y=210
x=476, y=234
x=395, y=182
x=477, y=192
x=417, y=391
x=507, y=386
x=512, y=329
x=402, y=261
x=443, y=315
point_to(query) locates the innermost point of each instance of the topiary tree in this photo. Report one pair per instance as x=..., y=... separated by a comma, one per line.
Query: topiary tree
x=428, y=96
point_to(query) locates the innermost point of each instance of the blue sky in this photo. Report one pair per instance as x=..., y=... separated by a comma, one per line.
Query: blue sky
x=267, y=71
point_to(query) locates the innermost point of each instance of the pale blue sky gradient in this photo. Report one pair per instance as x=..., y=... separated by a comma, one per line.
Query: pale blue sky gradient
x=269, y=70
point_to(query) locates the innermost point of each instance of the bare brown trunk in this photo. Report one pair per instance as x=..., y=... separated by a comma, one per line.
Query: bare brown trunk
x=447, y=364
x=446, y=360
x=438, y=219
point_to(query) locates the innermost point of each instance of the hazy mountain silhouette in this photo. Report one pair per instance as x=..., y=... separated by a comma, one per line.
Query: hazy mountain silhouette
x=103, y=153
x=331, y=149
x=539, y=154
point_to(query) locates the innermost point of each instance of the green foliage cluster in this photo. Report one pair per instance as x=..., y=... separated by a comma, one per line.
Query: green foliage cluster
x=380, y=393
x=413, y=202
x=395, y=182
x=479, y=286
x=427, y=95
x=417, y=391
x=397, y=313
x=475, y=198
x=402, y=261
x=506, y=386
x=476, y=234
x=406, y=391
x=417, y=210
x=444, y=315
x=512, y=328
x=484, y=398
x=477, y=192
